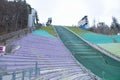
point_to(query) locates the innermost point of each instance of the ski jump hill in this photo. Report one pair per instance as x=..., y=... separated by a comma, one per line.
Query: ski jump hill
x=67, y=55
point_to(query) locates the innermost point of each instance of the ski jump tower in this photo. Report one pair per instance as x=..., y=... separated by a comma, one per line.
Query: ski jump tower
x=32, y=19
x=83, y=23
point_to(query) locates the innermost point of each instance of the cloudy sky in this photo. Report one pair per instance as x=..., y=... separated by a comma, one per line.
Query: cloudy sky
x=69, y=12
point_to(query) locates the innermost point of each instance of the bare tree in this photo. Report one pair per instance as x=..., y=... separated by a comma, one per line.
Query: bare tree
x=115, y=26
x=100, y=28
x=13, y=15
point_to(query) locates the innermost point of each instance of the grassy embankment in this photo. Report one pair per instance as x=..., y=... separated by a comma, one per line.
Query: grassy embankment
x=77, y=30
x=49, y=29
x=111, y=47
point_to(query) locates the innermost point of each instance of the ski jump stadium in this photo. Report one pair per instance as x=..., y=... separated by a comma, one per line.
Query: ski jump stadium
x=69, y=54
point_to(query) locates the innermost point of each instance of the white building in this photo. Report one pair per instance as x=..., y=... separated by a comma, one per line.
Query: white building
x=32, y=19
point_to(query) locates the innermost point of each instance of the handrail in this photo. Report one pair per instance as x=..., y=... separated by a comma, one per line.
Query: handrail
x=29, y=73
x=4, y=39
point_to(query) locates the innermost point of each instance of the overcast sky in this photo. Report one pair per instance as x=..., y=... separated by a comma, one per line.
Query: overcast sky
x=69, y=12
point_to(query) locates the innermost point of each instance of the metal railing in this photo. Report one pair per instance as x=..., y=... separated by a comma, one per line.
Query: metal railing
x=26, y=74
x=6, y=38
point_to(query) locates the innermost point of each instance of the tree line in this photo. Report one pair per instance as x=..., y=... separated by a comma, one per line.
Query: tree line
x=101, y=27
x=13, y=15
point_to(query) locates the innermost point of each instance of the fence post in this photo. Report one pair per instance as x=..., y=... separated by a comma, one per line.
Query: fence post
x=13, y=76
x=103, y=75
x=38, y=71
x=23, y=75
x=30, y=73
x=0, y=77
x=36, y=66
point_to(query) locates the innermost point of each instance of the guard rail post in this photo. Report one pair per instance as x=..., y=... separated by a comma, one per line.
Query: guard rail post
x=30, y=73
x=38, y=71
x=0, y=76
x=23, y=75
x=36, y=66
x=13, y=76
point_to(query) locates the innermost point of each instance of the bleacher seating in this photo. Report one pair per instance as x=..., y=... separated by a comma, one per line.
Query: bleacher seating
x=54, y=60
